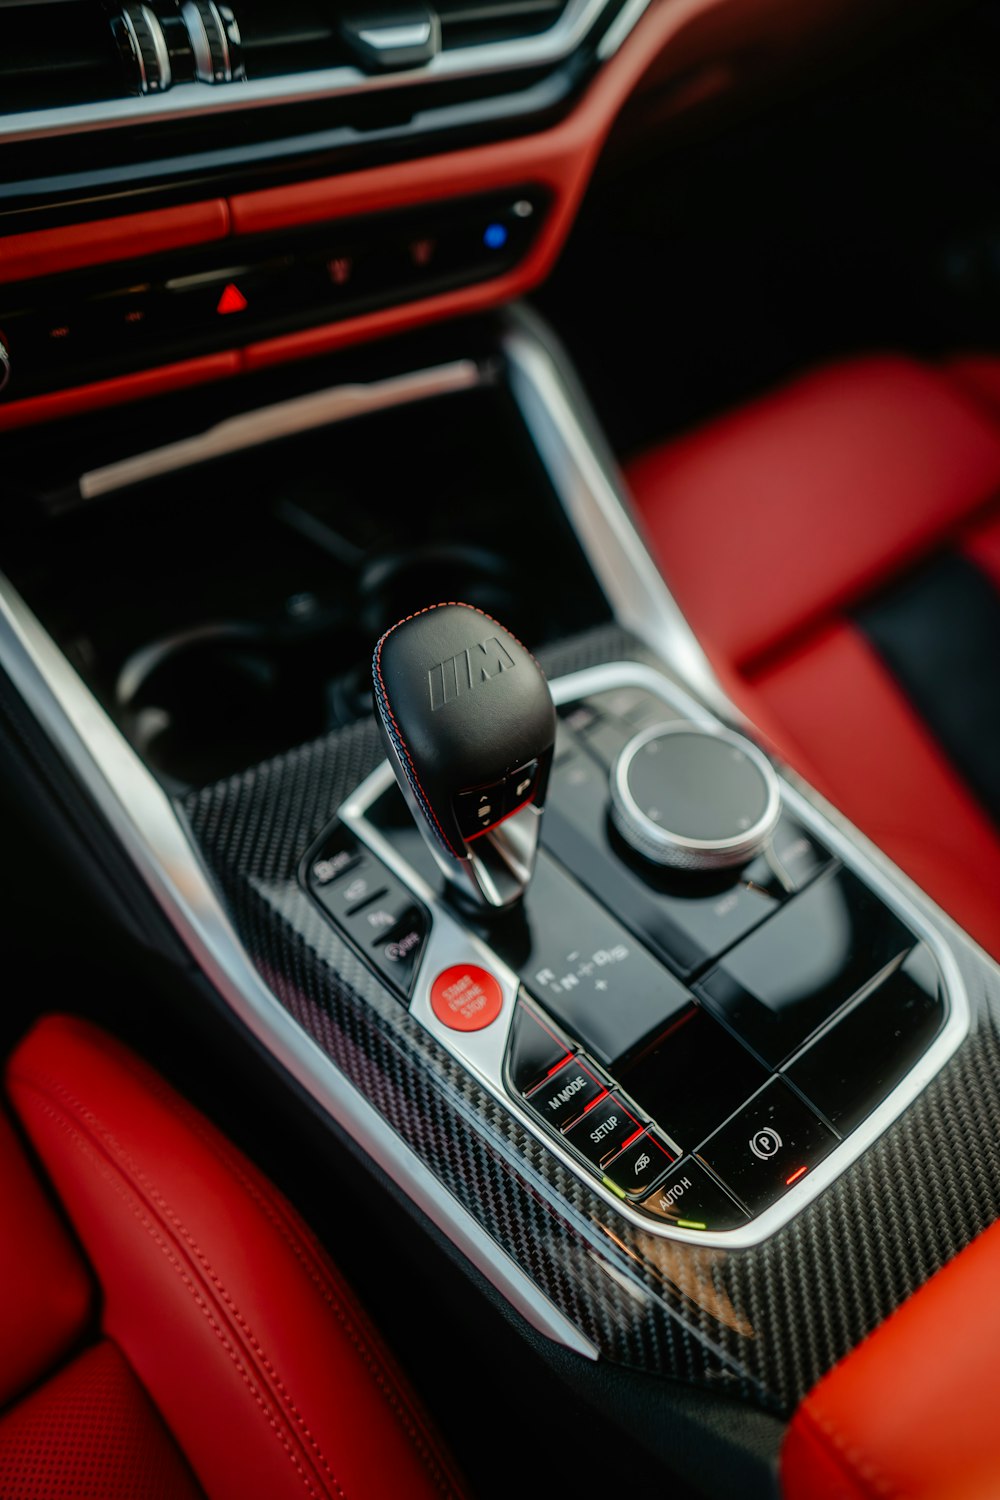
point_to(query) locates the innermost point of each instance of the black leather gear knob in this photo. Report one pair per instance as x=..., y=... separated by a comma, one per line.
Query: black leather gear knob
x=469, y=726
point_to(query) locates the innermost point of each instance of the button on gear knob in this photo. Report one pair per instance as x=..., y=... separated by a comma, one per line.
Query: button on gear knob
x=469, y=728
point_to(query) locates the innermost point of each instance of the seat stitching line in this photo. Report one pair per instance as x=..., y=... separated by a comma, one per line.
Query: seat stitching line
x=146, y=1193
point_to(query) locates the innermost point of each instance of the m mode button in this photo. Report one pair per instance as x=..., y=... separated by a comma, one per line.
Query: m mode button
x=564, y=1095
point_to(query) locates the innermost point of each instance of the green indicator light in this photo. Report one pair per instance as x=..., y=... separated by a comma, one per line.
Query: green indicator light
x=618, y=1192
x=690, y=1224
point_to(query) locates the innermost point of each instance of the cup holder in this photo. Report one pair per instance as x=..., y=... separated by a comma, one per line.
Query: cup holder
x=223, y=695
x=215, y=697
x=395, y=584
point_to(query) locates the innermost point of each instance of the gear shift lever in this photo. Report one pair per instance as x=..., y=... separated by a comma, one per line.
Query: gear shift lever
x=469, y=727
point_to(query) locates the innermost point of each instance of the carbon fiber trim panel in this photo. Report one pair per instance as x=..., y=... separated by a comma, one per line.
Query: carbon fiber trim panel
x=762, y=1323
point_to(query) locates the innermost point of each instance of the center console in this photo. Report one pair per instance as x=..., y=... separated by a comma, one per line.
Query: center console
x=688, y=1074
x=706, y=1051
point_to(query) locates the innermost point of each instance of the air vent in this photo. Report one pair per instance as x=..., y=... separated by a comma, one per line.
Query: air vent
x=56, y=54
x=474, y=23
x=76, y=52
x=183, y=57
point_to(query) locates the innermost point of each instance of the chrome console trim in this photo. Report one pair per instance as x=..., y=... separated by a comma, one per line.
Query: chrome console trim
x=586, y=479
x=482, y=1053
x=189, y=100
x=146, y=822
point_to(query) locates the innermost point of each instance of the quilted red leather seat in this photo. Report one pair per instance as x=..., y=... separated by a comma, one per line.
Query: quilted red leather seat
x=170, y=1327
x=836, y=546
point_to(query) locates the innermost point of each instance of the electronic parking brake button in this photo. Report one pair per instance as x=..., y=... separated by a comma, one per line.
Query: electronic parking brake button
x=769, y=1146
x=603, y=1131
x=690, y=1199
x=563, y=1097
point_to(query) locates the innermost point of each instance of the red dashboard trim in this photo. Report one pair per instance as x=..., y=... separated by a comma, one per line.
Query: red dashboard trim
x=43, y=252
x=121, y=388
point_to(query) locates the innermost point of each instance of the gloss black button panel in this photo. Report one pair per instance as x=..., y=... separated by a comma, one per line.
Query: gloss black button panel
x=793, y=859
x=606, y=1128
x=640, y=1165
x=690, y=1198
x=793, y=974
x=693, y=1078
x=398, y=957
x=607, y=721
x=850, y=1069
x=362, y=881
x=370, y=905
x=767, y=1147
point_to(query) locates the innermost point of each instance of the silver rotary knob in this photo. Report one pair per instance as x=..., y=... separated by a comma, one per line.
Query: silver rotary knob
x=4, y=362
x=694, y=798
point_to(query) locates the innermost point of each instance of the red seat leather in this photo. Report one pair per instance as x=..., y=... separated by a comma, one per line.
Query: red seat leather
x=228, y=1358
x=771, y=524
x=912, y=1411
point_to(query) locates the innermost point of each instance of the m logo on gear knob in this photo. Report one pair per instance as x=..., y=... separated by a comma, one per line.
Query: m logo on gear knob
x=461, y=673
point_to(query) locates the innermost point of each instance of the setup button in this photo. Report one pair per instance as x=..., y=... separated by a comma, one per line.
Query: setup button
x=604, y=1131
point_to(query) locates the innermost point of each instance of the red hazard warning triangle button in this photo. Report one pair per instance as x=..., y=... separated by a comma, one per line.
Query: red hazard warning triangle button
x=232, y=299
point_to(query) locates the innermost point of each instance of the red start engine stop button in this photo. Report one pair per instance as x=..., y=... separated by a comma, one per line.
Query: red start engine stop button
x=466, y=998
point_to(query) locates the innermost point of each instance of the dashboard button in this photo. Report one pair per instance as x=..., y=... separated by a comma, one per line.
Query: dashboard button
x=769, y=1146
x=562, y=1098
x=690, y=1199
x=399, y=956
x=640, y=1166
x=331, y=864
x=358, y=885
x=603, y=1131
x=466, y=997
